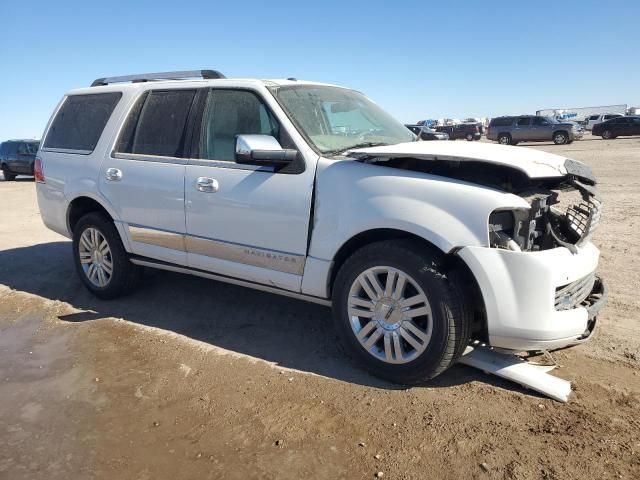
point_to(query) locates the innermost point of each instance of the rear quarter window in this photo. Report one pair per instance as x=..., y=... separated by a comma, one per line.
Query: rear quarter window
x=79, y=123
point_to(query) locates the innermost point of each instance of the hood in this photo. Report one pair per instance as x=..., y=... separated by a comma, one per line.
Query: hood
x=533, y=163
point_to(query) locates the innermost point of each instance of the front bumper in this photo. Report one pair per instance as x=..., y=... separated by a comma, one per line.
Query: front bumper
x=519, y=292
x=576, y=134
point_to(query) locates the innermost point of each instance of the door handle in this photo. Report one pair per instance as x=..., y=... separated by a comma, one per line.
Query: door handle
x=113, y=174
x=207, y=185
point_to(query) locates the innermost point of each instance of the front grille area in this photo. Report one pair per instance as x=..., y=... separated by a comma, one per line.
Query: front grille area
x=583, y=219
x=573, y=295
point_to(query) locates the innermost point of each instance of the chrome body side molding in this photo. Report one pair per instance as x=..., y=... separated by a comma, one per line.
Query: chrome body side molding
x=234, y=281
x=233, y=252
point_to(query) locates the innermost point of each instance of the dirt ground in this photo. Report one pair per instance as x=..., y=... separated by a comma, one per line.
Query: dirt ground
x=189, y=378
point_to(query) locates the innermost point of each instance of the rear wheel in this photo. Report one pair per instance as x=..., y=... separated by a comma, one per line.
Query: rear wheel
x=398, y=314
x=9, y=177
x=560, y=138
x=607, y=135
x=504, y=139
x=100, y=258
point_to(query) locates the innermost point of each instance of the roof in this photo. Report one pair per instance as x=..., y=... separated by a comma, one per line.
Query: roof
x=221, y=82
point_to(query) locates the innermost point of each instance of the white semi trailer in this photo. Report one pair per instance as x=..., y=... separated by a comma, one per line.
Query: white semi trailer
x=582, y=113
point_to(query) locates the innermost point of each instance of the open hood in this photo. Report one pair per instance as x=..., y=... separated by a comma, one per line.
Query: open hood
x=533, y=163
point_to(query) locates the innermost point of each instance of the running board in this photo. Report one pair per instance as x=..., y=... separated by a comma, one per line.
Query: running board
x=511, y=367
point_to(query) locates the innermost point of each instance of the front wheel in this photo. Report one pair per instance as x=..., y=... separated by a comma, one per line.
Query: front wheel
x=469, y=137
x=560, y=138
x=398, y=314
x=100, y=258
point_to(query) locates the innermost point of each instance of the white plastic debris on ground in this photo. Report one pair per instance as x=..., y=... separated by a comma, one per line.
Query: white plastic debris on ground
x=511, y=367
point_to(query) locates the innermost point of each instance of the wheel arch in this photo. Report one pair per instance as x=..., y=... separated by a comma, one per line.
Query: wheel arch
x=80, y=206
x=454, y=267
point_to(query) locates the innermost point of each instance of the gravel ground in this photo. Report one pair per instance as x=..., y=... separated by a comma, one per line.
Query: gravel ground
x=190, y=378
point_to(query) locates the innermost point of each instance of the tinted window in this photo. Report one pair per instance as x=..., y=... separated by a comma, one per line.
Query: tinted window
x=157, y=124
x=12, y=148
x=594, y=117
x=540, y=121
x=523, y=122
x=635, y=120
x=501, y=122
x=80, y=121
x=28, y=148
x=618, y=121
x=607, y=117
x=229, y=113
x=3, y=147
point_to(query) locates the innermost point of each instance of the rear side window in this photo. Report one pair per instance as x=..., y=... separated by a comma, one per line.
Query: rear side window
x=524, y=121
x=607, y=117
x=80, y=122
x=157, y=124
x=501, y=122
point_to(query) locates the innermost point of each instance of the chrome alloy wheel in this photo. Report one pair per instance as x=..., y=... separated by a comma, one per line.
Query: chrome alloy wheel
x=390, y=315
x=95, y=257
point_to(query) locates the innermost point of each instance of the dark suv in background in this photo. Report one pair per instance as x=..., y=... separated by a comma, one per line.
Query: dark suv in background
x=532, y=128
x=17, y=157
x=469, y=131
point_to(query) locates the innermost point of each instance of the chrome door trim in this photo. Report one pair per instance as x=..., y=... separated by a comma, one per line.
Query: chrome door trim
x=160, y=238
x=234, y=281
x=234, y=252
x=203, y=162
x=257, y=257
x=149, y=158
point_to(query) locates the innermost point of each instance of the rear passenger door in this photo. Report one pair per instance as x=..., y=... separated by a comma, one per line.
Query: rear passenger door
x=253, y=221
x=143, y=178
x=522, y=130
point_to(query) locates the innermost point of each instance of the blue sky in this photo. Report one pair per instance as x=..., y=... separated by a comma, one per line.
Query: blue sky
x=416, y=59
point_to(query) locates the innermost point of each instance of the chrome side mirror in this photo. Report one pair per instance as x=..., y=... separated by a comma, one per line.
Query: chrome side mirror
x=262, y=150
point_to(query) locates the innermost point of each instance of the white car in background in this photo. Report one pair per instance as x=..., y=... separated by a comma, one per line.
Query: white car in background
x=599, y=118
x=313, y=191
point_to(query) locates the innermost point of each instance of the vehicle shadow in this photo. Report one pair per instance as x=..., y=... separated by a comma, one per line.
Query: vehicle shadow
x=290, y=333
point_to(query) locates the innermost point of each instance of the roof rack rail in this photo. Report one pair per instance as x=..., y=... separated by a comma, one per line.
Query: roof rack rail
x=146, y=77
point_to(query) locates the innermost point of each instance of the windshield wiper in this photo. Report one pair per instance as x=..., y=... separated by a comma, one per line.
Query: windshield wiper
x=357, y=145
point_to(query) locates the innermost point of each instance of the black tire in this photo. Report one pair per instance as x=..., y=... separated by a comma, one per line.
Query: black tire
x=560, y=137
x=125, y=275
x=8, y=177
x=469, y=137
x=608, y=135
x=449, y=318
x=505, y=139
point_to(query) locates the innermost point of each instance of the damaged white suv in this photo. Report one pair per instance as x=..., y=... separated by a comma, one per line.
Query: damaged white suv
x=312, y=191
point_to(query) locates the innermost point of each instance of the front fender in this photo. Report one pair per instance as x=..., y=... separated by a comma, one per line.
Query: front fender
x=353, y=197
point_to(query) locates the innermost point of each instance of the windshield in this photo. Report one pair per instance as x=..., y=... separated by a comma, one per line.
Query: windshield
x=336, y=119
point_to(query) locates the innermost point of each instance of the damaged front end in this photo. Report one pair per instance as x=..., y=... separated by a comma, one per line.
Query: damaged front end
x=565, y=215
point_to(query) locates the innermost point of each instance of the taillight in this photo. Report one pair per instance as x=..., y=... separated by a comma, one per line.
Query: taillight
x=37, y=171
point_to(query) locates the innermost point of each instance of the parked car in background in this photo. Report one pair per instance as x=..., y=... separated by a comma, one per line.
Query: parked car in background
x=603, y=117
x=617, y=127
x=468, y=131
x=426, y=133
x=510, y=130
x=419, y=247
x=17, y=157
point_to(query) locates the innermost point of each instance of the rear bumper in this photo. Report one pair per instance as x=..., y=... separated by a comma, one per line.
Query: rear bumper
x=519, y=290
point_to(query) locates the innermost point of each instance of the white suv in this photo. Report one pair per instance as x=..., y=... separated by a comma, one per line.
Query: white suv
x=313, y=191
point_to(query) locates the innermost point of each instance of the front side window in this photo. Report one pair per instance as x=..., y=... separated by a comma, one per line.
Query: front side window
x=336, y=119
x=539, y=121
x=80, y=121
x=157, y=124
x=229, y=113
